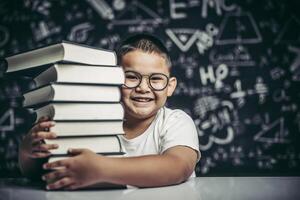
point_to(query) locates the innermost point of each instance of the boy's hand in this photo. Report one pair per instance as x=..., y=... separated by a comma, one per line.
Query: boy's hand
x=34, y=141
x=76, y=172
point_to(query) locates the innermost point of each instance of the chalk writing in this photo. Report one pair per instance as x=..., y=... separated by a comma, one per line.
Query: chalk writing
x=243, y=30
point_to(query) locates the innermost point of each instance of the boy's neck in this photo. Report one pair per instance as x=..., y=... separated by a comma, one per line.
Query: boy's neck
x=134, y=127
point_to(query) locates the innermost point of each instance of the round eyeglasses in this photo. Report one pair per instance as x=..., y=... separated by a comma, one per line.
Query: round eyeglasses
x=156, y=81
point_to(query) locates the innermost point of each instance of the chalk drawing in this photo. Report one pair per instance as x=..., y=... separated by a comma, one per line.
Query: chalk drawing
x=42, y=7
x=102, y=8
x=4, y=35
x=219, y=120
x=296, y=63
x=238, y=28
x=119, y=4
x=110, y=42
x=239, y=94
x=277, y=73
x=280, y=95
x=273, y=132
x=206, y=164
x=239, y=56
x=79, y=33
x=205, y=104
x=290, y=32
x=7, y=121
x=136, y=13
x=261, y=89
x=184, y=38
x=215, y=76
x=218, y=4
x=173, y=9
x=43, y=30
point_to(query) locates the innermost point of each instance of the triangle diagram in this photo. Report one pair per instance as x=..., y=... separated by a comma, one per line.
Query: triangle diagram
x=238, y=28
x=290, y=32
x=7, y=121
x=272, y=133
x=136, y=13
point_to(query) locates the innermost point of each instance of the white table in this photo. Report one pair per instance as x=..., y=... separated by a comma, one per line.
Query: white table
x=200, y=188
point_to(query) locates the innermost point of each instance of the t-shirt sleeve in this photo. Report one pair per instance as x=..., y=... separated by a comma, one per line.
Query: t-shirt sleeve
x=179, y=129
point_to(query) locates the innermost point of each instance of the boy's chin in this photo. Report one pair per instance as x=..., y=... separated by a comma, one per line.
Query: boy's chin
x=143, y=114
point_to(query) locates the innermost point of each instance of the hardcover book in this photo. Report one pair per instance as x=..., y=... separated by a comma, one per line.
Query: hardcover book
x=60, y=52
x=85, y=74
x=71, y=93
x=54, y=158
x=97, y=144
x=87, y=128
x=81, y=111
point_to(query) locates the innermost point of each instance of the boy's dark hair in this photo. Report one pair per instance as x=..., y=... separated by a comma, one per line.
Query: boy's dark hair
x=146, y=43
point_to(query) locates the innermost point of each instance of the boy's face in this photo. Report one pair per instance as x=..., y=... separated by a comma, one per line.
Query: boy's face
x=143, y=102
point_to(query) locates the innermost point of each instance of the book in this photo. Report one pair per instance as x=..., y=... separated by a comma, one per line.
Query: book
x=97, y=144
x=87, y=128
x=54, y=158
x=60, y=52
x=71, y=93
x=85, y=74
x=81, y=111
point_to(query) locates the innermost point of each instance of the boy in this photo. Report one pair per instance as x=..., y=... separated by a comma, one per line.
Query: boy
x=161, y=144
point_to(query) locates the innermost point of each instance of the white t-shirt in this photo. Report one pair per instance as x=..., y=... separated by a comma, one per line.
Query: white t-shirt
x=169, y=128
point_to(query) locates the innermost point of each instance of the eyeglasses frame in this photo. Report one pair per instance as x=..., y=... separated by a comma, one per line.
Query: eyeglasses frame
x=148, y=80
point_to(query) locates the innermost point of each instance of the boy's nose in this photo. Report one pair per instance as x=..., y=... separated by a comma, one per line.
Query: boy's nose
x=143, y=85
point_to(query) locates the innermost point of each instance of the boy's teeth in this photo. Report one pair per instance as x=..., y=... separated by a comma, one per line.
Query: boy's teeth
x=142, y=99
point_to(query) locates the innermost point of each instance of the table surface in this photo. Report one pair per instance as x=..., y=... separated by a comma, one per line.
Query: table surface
x=200, y=188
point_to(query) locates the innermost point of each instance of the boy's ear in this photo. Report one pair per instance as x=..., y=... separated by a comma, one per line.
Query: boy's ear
x=171, y=86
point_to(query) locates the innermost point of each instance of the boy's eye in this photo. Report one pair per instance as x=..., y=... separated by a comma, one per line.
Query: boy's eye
x=156, y=78
x=130, y=76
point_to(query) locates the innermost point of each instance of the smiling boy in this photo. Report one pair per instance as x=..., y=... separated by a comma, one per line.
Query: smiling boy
x=161, y=144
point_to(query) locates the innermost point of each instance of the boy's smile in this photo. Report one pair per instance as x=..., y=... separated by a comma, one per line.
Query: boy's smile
x=143, y=102
x=141, y=99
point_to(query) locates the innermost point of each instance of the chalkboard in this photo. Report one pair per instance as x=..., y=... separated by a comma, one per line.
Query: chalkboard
x=237, y=65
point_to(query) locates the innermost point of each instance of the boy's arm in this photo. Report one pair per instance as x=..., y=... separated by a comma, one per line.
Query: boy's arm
x=31, y=163
x=33, y=152
x=174, y=166
x=30, y=167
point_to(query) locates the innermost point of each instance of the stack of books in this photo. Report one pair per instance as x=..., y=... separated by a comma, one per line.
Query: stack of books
x=78, y=87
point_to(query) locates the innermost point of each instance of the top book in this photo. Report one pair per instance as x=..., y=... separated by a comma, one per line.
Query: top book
x=61, y=52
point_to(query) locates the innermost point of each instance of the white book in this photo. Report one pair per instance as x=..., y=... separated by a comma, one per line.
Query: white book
x=60, y=52
x=72, y=93
x=87, y=128
x=81, y=111
x=97, y=144
x=76, y=73
x=57, y=158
